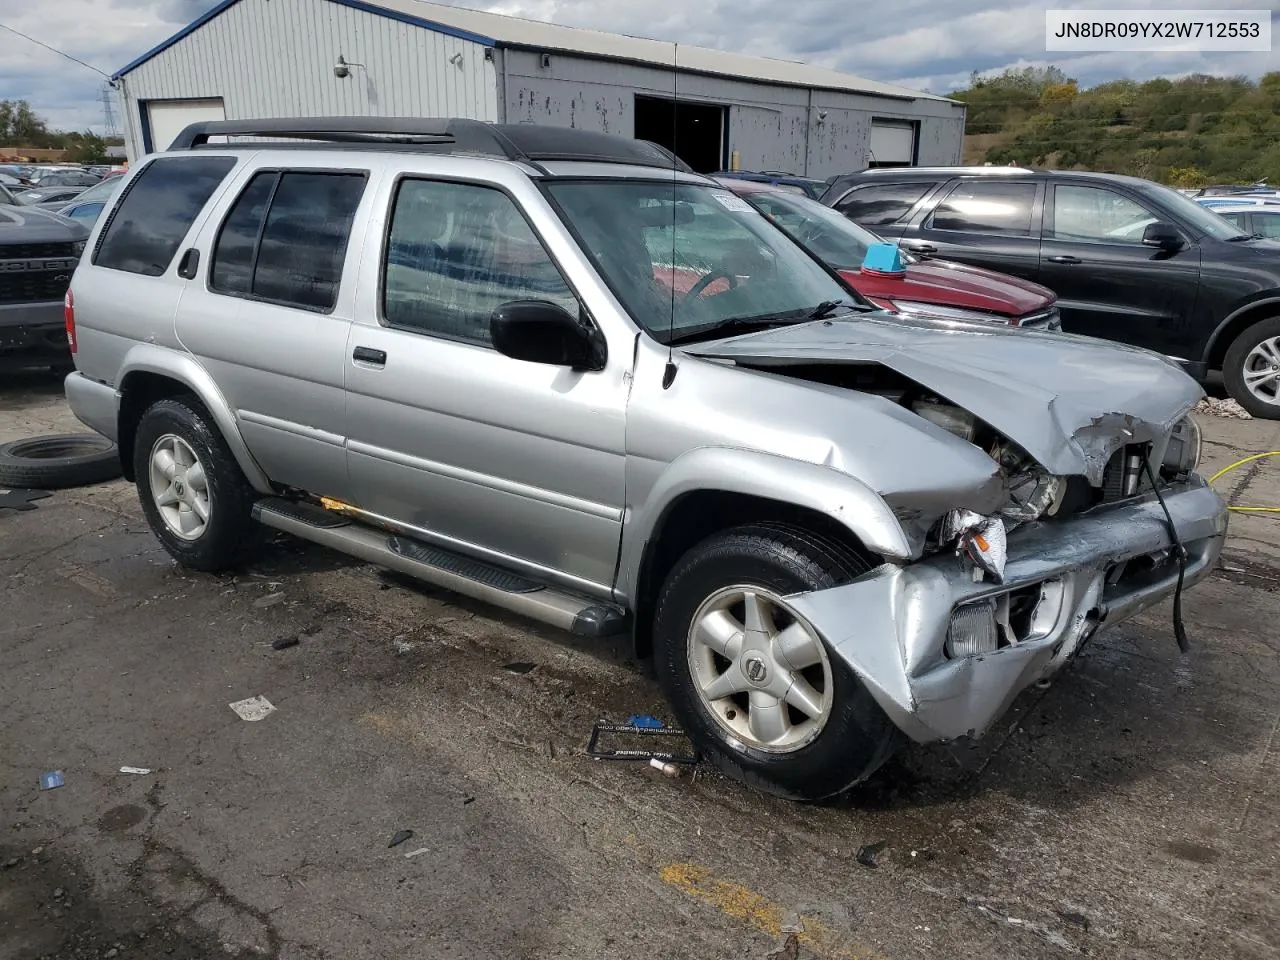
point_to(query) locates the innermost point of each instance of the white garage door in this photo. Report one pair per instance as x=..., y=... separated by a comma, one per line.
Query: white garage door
x=893, y=143
x=168, y=117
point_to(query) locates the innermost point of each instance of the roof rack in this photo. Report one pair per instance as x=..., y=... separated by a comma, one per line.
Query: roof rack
x=524, y=142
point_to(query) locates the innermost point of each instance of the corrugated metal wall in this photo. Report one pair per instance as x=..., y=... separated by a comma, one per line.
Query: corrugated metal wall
x=274, y=58
x=818, y=133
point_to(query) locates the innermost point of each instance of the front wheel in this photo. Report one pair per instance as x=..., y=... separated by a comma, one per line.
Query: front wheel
x=1251, y=369
x=752, y=681
x=192, y=491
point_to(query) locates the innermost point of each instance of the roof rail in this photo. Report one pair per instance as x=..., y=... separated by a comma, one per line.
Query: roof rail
x=529, y=143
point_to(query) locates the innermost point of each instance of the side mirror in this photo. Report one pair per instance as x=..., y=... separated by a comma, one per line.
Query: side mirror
x=542, y=332
x=1162, y=235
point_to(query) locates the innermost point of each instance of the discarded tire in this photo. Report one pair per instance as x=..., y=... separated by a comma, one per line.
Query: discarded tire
x=66, y=460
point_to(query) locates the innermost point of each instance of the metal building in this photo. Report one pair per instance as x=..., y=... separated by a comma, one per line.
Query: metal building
x=248, y=59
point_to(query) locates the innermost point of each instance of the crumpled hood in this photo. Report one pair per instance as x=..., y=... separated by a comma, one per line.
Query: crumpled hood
x=1069, y=401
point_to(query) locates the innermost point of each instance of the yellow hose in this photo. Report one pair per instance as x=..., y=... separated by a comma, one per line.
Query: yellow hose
x=1240, y=463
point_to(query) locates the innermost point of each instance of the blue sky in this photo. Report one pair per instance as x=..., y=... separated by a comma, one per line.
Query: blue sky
x=925, y=44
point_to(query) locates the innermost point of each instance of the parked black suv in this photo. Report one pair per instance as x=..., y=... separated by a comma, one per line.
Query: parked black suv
x=1130, y=260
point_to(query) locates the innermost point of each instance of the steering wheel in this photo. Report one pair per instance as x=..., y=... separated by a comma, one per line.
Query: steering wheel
x=698, y=288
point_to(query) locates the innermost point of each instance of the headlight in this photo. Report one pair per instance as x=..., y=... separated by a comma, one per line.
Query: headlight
x=913, y=309
x=78, y=247
x=947, y=416
x=1182, y=455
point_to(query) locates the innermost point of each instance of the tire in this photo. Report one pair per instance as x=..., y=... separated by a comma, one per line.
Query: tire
x=182, y=429
x=810, y=760
x=54, y=462
x=1251, y=352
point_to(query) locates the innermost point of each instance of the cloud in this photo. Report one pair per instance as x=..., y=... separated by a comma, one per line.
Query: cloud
x=924, y=44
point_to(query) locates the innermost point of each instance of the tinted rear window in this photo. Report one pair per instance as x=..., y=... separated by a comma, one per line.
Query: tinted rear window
x=987, y=206
x=883, y=202
x=147, y=226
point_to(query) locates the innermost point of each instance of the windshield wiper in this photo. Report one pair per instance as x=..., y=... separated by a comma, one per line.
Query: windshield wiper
x=732, y=325
x=1243, y=236
x=825, y=309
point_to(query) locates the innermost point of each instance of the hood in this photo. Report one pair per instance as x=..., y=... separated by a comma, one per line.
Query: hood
x=1069, y=401
x=955, y=285
x=33, y=225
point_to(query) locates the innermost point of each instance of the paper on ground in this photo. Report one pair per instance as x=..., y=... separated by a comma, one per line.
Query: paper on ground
x=255, y=708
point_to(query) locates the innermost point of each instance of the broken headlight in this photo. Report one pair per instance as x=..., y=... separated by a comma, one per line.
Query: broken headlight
x=979, y=539
x=1182, y=455
x=949, y=417
x=1033, y=494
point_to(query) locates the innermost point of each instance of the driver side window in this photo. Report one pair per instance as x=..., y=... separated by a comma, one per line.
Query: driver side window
x=1098, y=215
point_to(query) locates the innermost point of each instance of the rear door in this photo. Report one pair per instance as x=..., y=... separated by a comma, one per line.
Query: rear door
x=268, y=311
x=884, y=207
x=1109, y=283
x=991, y=222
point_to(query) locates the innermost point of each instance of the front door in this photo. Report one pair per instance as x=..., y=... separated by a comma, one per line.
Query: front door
x=517, y=462
x=991, y=222
x=1109, y=283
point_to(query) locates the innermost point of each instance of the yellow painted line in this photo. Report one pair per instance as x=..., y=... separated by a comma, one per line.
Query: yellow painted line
x=741, y=903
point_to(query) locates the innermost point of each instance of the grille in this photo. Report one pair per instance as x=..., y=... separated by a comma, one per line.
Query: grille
x=36, y=251
x=34, y=286
x=1124, y=476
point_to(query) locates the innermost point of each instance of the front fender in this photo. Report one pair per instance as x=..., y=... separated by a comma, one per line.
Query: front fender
x=182, y=367
x=843, y=498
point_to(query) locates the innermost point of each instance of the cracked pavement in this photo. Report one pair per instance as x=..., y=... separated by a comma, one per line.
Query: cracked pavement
x=1131, y=809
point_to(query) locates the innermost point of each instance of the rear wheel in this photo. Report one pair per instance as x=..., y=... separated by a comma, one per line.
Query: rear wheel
x=751, y=679
x=192, y=491
x=1251, y=369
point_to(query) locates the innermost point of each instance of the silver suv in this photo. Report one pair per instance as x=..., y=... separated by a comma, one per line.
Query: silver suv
x=551, y=370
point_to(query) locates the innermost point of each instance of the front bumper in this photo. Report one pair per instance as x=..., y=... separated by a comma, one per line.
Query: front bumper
x=891, y=625
x=32, y=334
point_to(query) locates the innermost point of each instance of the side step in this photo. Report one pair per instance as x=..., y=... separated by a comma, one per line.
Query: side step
x=444, y=568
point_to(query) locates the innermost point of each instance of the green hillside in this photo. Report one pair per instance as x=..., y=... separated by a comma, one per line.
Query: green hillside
x=1187, y=132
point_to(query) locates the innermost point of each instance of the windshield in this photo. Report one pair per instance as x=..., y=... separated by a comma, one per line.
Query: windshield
x=728, y=263
x=838, y=241
x=1206, y=221
x=104, y=190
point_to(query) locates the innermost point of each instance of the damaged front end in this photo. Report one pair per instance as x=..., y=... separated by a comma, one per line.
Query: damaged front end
x=1097, y=513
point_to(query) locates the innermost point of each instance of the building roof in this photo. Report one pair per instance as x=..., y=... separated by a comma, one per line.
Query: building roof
x=500, y=30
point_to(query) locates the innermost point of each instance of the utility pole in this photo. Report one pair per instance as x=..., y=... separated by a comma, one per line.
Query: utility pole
x=110, y=130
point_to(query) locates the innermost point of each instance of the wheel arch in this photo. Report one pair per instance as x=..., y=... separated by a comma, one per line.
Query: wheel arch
x=151, y=373
x=1236, y=323
x=710, y=490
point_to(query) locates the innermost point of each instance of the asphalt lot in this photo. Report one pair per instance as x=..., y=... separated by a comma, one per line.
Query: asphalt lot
x=1131, y=809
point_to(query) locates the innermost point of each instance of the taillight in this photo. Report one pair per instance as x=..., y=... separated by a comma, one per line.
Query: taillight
x=69, y=317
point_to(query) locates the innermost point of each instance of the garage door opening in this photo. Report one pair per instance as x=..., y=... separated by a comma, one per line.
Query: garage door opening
x=694, y=131
x=893, y=143
x=163, y=120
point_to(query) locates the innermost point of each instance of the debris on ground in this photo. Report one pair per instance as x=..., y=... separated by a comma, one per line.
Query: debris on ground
x=606, y=728
x=644, y=721
x=466, y=800
x=18, y=500
x=1074, y=918
x=403, y=645
x=400, y=837
x=1227, y=409
x=252, y=709
x=51, y=780
x=520, y=666
x=667, y=769
x=284, y=643
x=137, y=771
x=270, y=600
x=417, y=853
x=867, y=854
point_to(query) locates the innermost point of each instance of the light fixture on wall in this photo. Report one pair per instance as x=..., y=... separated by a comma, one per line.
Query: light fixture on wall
x=456, y=60
x=342, y=68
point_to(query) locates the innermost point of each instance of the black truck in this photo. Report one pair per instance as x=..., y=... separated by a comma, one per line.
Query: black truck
x=39, y=251
x=1130, y=260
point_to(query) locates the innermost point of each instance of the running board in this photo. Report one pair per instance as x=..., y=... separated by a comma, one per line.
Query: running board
x=443, y=568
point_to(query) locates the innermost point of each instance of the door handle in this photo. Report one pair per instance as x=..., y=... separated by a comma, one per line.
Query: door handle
x=369, y=355
x=922, y=248
x=1065, y=258
x=189, y=264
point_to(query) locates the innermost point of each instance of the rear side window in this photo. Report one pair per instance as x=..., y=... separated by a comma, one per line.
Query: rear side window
x=987, y=206
x=285, y=239
x=1266, y=224
x=883, y=202
x=144, y=231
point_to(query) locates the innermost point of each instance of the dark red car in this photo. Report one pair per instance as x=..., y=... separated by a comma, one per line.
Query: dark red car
x=936, y=287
